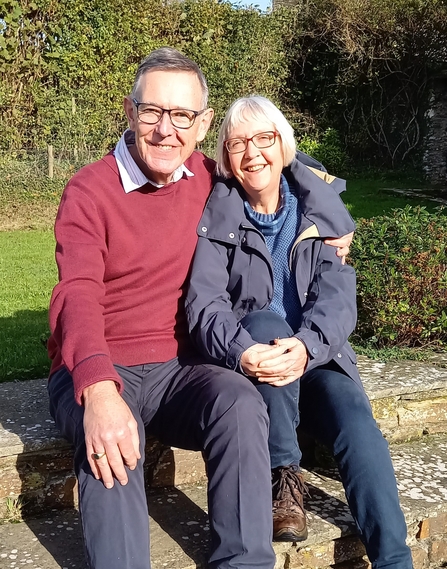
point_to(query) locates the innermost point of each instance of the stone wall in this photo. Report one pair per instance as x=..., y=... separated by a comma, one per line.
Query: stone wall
x=435, y=146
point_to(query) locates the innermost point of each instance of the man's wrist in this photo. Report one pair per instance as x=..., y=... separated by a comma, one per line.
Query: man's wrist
x=99, y=388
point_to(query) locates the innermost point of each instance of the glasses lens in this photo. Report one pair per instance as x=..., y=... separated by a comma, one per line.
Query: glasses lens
x=235, y=145
x=264, y=139
x=182, y=118
x=261, y=140
x=148, y=114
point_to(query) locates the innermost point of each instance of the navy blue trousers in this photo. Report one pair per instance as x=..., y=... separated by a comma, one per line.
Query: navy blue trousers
x=335, y=410
x=198, y=407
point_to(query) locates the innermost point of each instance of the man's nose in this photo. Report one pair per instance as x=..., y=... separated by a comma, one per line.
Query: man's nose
x=164, y=126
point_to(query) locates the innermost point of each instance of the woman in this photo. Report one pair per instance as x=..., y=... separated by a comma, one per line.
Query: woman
x=270, y=299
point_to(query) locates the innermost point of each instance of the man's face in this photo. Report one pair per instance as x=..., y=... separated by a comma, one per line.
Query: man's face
x=161, y=148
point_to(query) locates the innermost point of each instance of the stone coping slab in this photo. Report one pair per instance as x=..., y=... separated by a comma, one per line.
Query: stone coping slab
x=26, y=425
x=179, y=522
x=25, y=422
x=405, y=377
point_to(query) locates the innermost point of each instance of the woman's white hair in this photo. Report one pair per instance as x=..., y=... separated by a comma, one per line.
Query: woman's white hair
x=253, y=108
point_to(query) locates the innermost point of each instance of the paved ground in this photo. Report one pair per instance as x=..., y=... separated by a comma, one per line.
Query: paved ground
x=179, y=522
x=438, y=195
x=179, y=526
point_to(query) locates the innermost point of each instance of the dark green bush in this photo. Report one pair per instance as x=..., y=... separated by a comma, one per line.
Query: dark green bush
x=401, y=264
x=327, y=148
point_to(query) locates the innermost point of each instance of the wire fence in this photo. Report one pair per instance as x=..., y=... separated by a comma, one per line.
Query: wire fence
x=49, y=162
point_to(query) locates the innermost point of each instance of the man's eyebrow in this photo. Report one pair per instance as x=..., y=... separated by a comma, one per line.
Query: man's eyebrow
x=160, y=107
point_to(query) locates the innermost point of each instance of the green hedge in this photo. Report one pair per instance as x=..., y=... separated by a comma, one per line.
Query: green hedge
x=401, y=264
x=327, y=148
x=67, y=88
x=359, y=66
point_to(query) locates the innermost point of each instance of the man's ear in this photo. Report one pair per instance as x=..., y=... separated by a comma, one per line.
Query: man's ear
x=205, y=123
x=129, y=109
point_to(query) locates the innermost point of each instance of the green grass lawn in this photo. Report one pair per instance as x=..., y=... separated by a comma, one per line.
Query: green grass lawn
x=366, y=198
x=28, y=275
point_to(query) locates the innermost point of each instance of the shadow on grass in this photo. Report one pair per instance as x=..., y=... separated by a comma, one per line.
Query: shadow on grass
x=22, y=339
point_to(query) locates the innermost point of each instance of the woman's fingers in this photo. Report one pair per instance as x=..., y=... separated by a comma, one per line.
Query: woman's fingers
x=291, y=362
x=256, y=354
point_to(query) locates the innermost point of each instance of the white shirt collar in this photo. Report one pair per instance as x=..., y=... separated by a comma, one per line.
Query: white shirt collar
x=131, y=175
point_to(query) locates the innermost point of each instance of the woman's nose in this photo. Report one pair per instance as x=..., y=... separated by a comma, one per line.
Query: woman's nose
x=251, y=150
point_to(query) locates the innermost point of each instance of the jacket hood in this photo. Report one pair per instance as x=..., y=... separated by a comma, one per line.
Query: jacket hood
x=320, y=204
x=319, y=200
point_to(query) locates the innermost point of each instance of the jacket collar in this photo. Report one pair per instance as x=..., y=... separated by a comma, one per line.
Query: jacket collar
x=224, y=214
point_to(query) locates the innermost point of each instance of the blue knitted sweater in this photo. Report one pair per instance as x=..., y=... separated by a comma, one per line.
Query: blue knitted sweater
x=280, y=230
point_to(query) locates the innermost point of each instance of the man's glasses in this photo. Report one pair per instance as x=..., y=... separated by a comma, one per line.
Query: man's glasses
x=260, y=140
x=152, y=114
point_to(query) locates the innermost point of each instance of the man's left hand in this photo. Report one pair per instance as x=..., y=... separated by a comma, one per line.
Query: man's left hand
x=343, y=245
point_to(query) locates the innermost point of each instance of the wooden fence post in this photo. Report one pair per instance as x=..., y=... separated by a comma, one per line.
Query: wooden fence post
x=73, y=112
x=50, y=162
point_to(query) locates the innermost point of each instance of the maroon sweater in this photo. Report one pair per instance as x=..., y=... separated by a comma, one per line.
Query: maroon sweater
x=123, y=261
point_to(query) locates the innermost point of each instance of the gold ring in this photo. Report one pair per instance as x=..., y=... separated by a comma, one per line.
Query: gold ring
x=98, y=455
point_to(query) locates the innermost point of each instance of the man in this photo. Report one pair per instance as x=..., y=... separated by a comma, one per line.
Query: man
x=122, y=358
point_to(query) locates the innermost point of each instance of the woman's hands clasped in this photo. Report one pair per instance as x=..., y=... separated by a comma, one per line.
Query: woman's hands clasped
x=278, y=364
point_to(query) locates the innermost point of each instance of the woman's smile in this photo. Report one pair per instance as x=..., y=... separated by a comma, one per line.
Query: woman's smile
x=258, y=170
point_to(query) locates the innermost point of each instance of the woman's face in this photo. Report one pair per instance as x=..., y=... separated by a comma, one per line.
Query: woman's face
x=257, y=169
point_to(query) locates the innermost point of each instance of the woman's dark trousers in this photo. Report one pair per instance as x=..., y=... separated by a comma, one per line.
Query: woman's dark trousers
x=335, y=410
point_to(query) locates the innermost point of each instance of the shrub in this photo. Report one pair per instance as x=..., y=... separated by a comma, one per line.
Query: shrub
x=24, y=177
x=326, y=148
x=401, y=264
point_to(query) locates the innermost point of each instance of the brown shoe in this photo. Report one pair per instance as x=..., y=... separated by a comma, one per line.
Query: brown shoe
x=289, y=517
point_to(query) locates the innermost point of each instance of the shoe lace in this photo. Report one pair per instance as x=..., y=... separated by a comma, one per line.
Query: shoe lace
x=288, y=485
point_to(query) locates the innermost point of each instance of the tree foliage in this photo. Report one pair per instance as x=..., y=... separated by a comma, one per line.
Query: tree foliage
x=361, y=67
x=76, y=60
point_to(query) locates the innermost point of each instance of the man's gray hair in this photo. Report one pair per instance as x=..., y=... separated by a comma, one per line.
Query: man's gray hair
x=169, y=59
x=253, y=108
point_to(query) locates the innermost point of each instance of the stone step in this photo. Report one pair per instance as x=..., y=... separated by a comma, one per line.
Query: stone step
x=180, y=530
x=409, y=400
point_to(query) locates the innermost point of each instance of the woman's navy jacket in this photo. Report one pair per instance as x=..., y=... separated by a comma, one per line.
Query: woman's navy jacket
x=232, y=272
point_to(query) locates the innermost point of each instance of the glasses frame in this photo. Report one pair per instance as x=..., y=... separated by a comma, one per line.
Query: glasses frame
x=247, y=140
x=163, y=111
